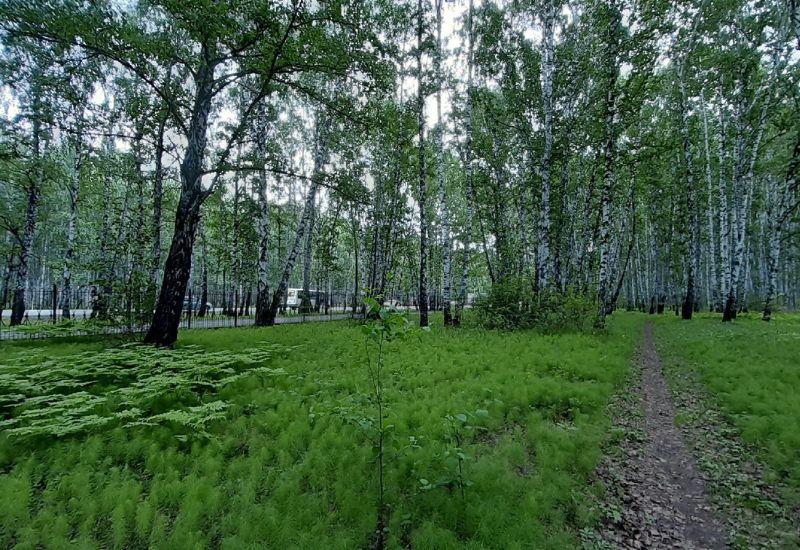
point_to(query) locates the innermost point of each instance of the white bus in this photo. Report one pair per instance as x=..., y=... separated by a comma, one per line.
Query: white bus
x=293, y=298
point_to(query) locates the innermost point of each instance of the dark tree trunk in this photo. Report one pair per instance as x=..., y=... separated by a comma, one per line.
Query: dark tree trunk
x=164, y=327
x=167, y=317
x=262, y=223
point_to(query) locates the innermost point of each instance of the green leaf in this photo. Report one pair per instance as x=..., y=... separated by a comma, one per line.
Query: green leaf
x=372, y=304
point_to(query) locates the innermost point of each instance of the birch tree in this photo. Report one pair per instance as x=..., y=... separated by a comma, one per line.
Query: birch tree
x=422, y=177
x=444, y=217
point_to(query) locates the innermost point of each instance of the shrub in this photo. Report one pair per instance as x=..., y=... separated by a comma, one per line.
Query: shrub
x=511, y=306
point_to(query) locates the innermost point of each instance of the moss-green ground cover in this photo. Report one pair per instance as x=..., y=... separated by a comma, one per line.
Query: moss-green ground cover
x=289, y=467
x=752, y=372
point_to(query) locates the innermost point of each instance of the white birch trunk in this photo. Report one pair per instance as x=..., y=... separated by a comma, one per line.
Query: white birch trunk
x=543, y=259
x=444, y=217
x=462, y=295
x=773, y=260
x=690, y=229
x=320, y=159
x=712, y=285
x=423, y=197
x=724, y=216
x=31, y=214
x=75, y=160
x=609, y=154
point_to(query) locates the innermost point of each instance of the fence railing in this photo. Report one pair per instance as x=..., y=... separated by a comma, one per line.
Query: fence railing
x=96, y=311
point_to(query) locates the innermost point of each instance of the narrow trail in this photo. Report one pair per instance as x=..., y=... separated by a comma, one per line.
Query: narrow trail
x=663, y=495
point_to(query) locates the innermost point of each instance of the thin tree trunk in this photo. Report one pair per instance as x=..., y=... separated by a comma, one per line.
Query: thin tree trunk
x=612, y=47
x=262, y=223
x=236, y=268
x=690, y=229
x=712, y=293
x=356, y=227
x=773, y=248
x=423, y=198
x=631, y=241
x=74, y=188
x=158, y=197
x=203, y=309
x=305, y=301
x=320, y=158
x=744, y=189
x=724, y=216
x=544, y=261
x=444, y=217
x=462, y=295
x=138, y=273
x=31, y=215
x=101, y=294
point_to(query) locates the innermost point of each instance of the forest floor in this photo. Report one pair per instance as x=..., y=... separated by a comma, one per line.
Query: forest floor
x=663, y=495
x=568, y=439
x=290, y=461
x=682, y=473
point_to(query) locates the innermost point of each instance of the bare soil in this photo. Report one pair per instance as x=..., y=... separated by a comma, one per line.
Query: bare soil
x=661, y=493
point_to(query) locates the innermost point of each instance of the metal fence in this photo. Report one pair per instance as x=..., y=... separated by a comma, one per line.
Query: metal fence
x=95, y=311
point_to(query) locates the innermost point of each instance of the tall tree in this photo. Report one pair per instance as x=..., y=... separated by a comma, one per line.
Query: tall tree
x=444, y=215
x=422, y=175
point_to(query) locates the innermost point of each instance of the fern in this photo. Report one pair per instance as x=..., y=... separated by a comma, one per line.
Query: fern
x=132, y=386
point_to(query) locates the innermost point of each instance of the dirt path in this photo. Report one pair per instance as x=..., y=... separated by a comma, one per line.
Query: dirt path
x=663, y=496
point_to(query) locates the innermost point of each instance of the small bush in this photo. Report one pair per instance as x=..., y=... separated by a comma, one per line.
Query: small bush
x=511, y=306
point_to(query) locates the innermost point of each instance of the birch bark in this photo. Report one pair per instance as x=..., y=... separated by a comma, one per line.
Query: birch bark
x=262, y=222
x=712, y=290
x=31, y=212
x=423, y=198
x=544, y=261
x=74, y=169
x=444, y=215
x=470, y=191
x=320, y=159
x=609, y=153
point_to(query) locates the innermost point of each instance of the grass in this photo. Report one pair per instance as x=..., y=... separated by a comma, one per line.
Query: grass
x=750, y=369
x=291, y=467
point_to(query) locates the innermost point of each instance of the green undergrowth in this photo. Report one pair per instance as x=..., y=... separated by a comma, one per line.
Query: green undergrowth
x=132, y=385
x=67, y=327
x=287, y=464
x=752, y=372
